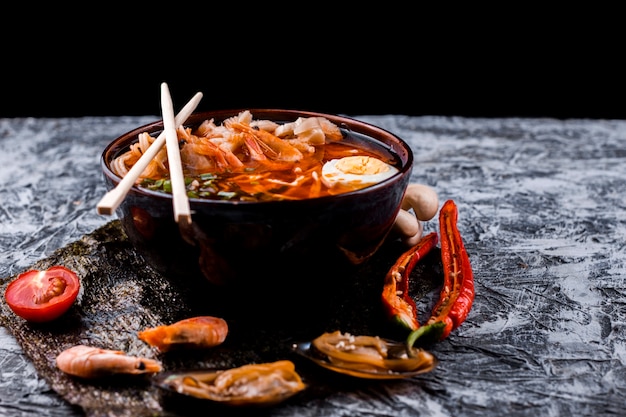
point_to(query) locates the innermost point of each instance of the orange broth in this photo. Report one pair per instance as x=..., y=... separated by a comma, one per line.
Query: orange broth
x=271, y=180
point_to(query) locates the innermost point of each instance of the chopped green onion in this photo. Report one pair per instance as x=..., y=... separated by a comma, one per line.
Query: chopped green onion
x=227, y=195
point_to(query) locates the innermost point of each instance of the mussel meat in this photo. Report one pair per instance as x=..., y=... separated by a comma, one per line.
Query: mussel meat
x=370, y=357
x=263, y=384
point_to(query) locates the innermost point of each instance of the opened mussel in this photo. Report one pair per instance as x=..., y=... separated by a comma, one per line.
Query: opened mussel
x=369, y=357
x=263, y=384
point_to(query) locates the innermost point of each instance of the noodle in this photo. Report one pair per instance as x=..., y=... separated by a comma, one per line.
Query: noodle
x=247, y=159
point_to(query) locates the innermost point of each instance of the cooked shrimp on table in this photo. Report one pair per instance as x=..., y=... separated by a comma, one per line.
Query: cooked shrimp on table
x=194, y=332
x=93, y=362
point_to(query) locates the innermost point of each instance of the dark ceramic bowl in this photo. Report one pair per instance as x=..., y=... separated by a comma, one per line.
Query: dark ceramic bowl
x=246, y=246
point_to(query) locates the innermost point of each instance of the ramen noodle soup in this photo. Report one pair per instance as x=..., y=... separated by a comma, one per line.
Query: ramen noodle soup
x=245, y=159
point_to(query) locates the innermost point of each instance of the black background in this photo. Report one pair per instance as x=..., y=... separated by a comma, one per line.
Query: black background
x=522, y=63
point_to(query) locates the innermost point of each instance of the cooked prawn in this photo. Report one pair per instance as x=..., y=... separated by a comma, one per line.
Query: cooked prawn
x=195, y=332
x=217, y=158
x=93, y=362
x=273, y=147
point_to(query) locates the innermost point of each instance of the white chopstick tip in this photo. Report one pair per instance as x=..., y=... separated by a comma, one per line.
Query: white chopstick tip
x=184, y=219
x=104, y=211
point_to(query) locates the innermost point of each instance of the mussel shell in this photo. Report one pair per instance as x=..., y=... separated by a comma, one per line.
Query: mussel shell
x=168, y=382
x=306, y=350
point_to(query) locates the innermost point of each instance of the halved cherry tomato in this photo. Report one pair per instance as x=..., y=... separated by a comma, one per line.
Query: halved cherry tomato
x=41, y=296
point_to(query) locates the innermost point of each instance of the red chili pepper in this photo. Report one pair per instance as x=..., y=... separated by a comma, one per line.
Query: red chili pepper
x=457, y=293
x=398, y=304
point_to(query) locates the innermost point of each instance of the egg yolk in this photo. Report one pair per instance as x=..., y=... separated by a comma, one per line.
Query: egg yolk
x=355, y=172
x=361, y=165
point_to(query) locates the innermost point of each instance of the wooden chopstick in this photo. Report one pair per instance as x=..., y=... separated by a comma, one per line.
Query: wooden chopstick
x=182, y=212
x=114, y=197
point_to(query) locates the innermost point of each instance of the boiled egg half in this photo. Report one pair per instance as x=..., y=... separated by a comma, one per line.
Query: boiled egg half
x=355, y=172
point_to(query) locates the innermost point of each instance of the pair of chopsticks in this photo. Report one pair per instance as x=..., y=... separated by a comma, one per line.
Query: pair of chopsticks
x=182, y=212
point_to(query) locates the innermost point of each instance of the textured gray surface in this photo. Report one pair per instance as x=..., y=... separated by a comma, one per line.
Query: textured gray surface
x=541, y=209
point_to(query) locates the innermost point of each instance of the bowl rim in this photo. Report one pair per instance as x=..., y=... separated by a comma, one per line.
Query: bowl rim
x=405, y=154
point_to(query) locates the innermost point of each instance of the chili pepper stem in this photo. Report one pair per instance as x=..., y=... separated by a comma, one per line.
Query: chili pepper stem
x=427, y=334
